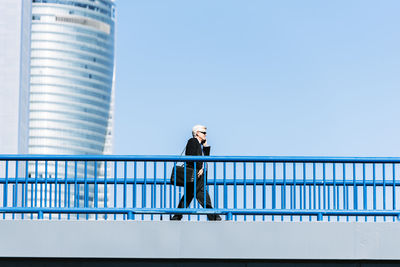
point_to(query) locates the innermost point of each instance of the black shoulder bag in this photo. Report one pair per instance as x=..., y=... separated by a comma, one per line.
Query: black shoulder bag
x=178, y=174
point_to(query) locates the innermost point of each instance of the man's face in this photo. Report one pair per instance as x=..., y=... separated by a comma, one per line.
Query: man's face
x=202, y=134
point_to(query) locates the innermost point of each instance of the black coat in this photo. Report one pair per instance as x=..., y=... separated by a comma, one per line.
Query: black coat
x=194, y=148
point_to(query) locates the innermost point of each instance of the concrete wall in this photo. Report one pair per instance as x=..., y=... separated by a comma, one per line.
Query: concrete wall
x=200, y=240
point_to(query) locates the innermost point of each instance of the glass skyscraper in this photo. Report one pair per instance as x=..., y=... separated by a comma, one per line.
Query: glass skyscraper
x=72, y=69
x=71, y=88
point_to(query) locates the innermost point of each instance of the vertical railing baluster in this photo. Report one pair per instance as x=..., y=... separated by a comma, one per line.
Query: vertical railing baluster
x=5, y=190
x=215, y=186
x=300, y=198
x=152, y=192
x=234, y=188
x=22, y=196
x=115, y=187
x=96, y=189
x=41, y=188
x=105, y=189
x=144, y=188
x=310, y=201
x=59, y=198
x=225, y=186
x=50, y=189
x=124, y=188
x=374, y=189
x=134, y=187
x=65, y=183
x=384, y=189
x=304, y=189
x=15, y=195
x=293, y=202
x=32, y=194
x=264, y=189
x=283, y=190
x=205, y=188
x=185, y=185
x=303, y=202
x=170, y=193
x=76, y=187
x=45, y=186
x=394, y=189
x=254, y=188
x=26, y=185
x=273, y=188
x=86, y=189
x=244, y=188
x=328, y=200
x=179, y=193
x=364, y=191
x=319, y=194
x=324, y=188
x=335, y=207
x=355, y=193
x=345, y=191
x=165, y=188
x=154, y=187
x=155, y=184
x=55, y=190
x=174, y=184
x=315, y=186
x=338, y=198
x=194, y=186
x=36, y=182
x=67, y=191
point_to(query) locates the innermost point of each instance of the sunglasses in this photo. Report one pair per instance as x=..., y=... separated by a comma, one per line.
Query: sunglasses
x=204, y=132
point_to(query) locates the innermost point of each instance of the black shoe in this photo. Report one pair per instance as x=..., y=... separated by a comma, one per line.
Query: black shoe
x=176, y=218
x=214, y=218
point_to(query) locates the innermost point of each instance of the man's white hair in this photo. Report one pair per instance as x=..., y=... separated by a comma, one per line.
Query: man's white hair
x=198, y=128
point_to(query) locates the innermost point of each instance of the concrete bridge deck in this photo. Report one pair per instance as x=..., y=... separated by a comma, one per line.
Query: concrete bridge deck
x=200, y=240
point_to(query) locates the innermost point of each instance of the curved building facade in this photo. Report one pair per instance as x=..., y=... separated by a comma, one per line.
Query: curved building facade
x=72, y=68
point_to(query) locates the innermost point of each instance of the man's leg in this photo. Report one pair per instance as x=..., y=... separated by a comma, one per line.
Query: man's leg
x=189, y=196
x=200, y=188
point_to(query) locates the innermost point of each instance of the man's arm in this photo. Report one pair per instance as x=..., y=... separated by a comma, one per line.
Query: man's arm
x=206, y=150
x=191, y=147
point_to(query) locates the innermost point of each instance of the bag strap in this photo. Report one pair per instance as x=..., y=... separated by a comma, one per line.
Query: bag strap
x=183, y=151
x=182, y=154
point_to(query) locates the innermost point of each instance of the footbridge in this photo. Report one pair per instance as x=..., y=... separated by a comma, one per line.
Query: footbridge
x=105, y=210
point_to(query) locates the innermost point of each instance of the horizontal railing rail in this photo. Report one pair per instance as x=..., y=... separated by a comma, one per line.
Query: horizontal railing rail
x=130, y=212
x=240, y=187
x=172, y=158
x=229, y=181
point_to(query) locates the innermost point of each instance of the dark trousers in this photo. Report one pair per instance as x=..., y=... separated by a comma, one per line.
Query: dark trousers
x=199, y=196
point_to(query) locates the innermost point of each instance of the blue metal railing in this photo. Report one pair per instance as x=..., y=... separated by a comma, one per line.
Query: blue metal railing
x=241, y=188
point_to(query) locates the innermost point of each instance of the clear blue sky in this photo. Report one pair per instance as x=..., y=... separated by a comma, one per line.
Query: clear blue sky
x=272, y=78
